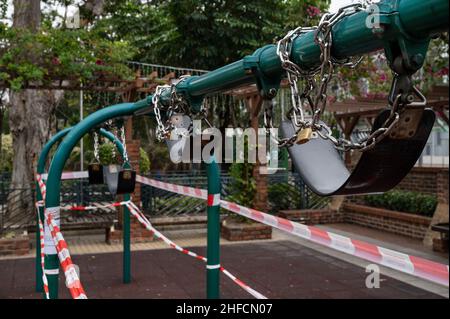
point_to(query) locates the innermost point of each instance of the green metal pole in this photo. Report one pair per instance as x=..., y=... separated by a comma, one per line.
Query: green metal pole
x=126, y=240
x=126, y=232
x=41, y=170
x=213, y=236
x=51, y=264
x=66, y=147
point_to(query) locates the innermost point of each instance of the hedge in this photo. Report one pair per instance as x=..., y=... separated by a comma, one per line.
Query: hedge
x=403, y=201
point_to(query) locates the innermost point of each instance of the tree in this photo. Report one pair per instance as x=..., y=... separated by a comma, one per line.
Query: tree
x=29, y=113
x=36, y=52
x=204, y=34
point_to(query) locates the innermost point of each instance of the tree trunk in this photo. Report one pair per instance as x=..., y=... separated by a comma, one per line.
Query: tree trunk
x=30, y=115
x=27, y=14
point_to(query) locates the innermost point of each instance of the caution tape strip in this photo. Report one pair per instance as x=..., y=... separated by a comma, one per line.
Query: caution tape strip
x=135, y=211
x=416, y=266
x=182, y=190
x=72, y=280
x=42, y=246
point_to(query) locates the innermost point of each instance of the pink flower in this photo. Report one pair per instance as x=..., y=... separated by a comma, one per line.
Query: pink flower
x=56, y=61
x=99, y=62
x=383, y=77
x=443, y=71
x=313, y=11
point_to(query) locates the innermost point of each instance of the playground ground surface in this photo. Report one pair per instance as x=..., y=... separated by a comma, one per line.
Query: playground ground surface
x=284, y=267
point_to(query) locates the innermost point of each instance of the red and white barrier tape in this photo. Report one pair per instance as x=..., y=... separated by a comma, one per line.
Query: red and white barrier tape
x=69, y=175
x=182, y=190
x=72, y=280
x=93, y=207
x=135, y=211
x=416, y=266
x=42, y=186
x=42, y=246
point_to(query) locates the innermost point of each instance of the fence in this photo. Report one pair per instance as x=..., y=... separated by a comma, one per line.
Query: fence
x=285, y=191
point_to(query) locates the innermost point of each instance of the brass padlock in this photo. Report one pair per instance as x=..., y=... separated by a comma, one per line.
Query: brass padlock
x=127, y=175
x=304, y=136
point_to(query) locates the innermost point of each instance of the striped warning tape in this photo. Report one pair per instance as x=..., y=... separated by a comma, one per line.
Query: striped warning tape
x=412, y=265
x=93, y=207
x=69, y=175
x=42, y=186
x=72, y=280
x=42, y=246
x=135, y=211
x=416, y=266
x=182, y=190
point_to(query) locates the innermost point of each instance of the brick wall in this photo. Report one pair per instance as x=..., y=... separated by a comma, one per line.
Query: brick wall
x=409, y=225
x=313, y=216
x=425, y=180
x=442, y=186
x=240, y=232
x=15, y=246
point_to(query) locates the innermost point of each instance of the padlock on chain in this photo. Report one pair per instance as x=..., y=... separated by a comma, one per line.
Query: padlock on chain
x=304, y=136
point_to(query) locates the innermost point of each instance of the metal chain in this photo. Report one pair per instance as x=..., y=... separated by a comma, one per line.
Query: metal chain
x=96, y=155
x=323, y=37
x=177, y=105
x=125, y=153
x=161, y=130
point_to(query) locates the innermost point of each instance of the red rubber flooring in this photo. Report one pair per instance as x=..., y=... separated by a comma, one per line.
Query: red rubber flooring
x=280, y=269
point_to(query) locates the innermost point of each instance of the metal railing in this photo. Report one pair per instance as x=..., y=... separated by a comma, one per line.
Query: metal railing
x=286, y=191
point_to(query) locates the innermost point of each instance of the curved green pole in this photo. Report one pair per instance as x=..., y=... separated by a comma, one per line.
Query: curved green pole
x=213, y=230
x=41, y=170
x=62, y=154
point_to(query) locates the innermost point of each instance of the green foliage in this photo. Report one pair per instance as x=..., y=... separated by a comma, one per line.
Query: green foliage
x=243, y=186
x=60, y=54
x=284, y=196
x=144, y=161
x=375, y=69
x=6, y=156
x=204, y=34
x=107, y=153
x=408, y=202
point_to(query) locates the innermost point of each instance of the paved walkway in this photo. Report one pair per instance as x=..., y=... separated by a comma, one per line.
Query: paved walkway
x=276, y=268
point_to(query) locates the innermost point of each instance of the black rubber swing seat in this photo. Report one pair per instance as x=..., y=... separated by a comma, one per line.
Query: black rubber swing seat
x=95, y=173
x=119, y=180
x=380, y=169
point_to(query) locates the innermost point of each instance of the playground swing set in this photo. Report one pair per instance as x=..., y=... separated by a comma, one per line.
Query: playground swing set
x=403, y=28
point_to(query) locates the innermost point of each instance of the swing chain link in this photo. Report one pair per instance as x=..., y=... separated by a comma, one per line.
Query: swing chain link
x=161, y=130
x=96, y=155
x=177, y=105
x=323, y=37
x=122, y=136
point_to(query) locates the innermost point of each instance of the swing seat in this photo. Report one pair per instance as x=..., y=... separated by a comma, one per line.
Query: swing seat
x=95, y=173
x=119, y=180
x=378, y=170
